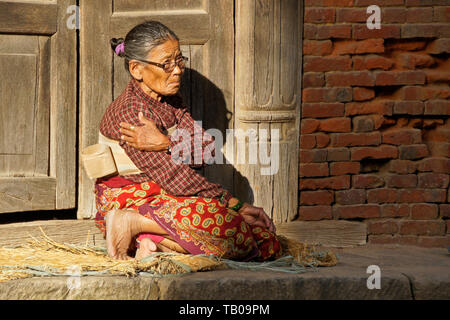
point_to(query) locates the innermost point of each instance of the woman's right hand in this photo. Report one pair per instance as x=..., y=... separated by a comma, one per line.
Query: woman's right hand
x=146, y=137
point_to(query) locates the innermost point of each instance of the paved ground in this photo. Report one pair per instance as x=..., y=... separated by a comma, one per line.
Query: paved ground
x=406, y=273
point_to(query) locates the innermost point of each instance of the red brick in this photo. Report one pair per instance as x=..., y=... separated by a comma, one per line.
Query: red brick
x=421, y=195
x=401, y=181
x=351, y=15
x=371, y=62
x=423, y=30
x=317, y=48
x=325, y=64
x=437, y=75
x=307, y=141
x=405, y=45
x=382, y=239
x=408, y=107
x=422, y=228
x=393, y=15
x=394, y=210
x=336, y=31
x=338, y=154
x=321, y=197
x=402, y=166
x=439, y=165
x=316, y=155
x=335, y=183
x=341, y=168
x=381, y=3
x=407, y=240
x=436, y=92
x=376, y=106
x=360, y=31
x=323, y=140
x=444, y=212
x=402, y=136
x=363, y=94
x=358, y=47
x=433, y=180
x=327, y=94
x=420, y=15
x=412, y=152
x=354, y=78
x=322, y=110
x=441, y=14
x=382, y=195
x=437, y=107
x=396, y=78
x=380, y=152
x=309, y=126
x=427, y=3
x=356, y=211
x=410, y=93
x=448, y=226
x=380, y=121
x=355, y=139
x=313, y=79
x=354, y=196
x=433, y=242
x=382, y=227
x=363, y=124
x=309, y=31
x=319, y=15
x=329, y=3
x=315, y=213
x=439, y=46
x=314, y=170
x=335, y=125
x=424, y=211
x=413, y=61
x=367, y=181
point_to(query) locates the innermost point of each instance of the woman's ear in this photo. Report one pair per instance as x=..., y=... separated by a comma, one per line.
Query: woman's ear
x=135, y=69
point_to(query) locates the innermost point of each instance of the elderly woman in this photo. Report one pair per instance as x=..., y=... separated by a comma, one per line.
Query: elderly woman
x=169, y=206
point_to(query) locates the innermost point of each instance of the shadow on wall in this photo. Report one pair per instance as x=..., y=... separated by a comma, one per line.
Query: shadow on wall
x=207, y=104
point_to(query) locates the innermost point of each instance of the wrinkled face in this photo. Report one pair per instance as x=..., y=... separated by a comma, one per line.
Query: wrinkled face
x=155, y=81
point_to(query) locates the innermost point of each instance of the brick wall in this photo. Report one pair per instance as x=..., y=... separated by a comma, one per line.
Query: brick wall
x=375, y=132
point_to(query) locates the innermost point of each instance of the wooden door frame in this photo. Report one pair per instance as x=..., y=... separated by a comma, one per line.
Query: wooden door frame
x=57, y=190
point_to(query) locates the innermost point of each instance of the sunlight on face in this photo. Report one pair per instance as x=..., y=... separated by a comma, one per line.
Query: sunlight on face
x=155, y=81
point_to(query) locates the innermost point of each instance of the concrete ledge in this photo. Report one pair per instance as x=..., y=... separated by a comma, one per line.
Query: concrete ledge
x=406, y=273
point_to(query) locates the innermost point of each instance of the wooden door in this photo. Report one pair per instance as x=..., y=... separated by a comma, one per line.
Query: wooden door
x=206, y=32
x=37, y=106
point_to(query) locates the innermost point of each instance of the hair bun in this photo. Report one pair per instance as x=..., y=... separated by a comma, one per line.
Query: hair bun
x=118, y=46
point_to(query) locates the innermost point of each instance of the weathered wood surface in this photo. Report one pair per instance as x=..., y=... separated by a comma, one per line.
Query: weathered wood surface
x=267, y=95
x=63, y=137
x=28, y=18
x=327, y=233
x=38, y=107
x=26, y=194
x=69, y=231
x=206, y=34
x=330, y=233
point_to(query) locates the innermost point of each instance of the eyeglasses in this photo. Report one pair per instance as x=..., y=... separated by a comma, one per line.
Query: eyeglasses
x=169, y=66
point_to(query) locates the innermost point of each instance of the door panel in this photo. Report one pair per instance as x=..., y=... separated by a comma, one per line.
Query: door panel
x=206, y=33
x=37, y=106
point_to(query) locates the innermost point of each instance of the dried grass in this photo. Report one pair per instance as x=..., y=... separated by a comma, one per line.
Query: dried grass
x=46, y=257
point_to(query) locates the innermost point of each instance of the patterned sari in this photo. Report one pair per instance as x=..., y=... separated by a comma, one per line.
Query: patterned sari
x=199, y=225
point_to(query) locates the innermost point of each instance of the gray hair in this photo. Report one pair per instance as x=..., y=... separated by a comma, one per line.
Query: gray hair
x=141, y=40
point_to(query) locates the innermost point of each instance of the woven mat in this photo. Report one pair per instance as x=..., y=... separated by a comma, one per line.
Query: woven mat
x=45, y=257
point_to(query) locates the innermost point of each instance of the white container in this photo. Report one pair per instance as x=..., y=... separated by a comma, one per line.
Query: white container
x=98, y=161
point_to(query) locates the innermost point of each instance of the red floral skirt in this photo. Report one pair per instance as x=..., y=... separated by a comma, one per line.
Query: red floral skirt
x=199, y=225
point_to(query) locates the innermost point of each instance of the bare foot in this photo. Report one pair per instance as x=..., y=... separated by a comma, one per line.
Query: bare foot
x=121, y=227
x=146, y=248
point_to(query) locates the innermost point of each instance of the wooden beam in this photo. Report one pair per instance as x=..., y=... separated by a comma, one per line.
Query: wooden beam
x=68, y=231
x=27, y=193
x=329, y=233
x=28, y=18
x=192, y=27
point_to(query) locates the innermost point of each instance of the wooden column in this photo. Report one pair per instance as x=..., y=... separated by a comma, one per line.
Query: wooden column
x=267, y=95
